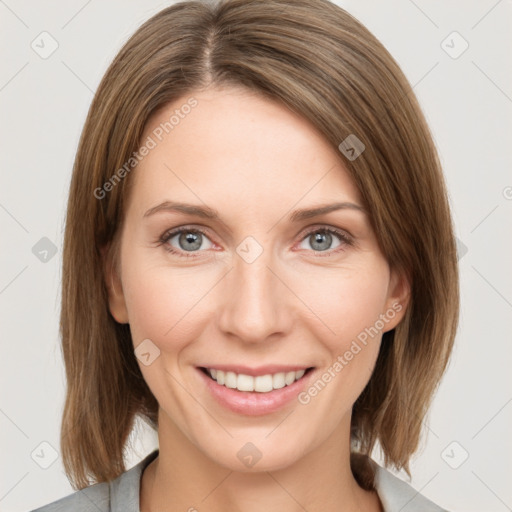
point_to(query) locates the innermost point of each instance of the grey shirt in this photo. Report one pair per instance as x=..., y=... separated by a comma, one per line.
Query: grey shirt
x=122, y=494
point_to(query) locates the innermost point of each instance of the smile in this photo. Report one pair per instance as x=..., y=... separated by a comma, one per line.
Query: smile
x=260, y=384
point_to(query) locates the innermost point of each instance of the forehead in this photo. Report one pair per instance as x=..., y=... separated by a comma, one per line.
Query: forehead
x=235, y=147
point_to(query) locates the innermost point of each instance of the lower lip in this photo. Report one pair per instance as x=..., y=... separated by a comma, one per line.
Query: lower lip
x=253, y=403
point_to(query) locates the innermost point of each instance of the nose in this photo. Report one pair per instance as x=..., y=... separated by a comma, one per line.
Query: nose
x=255, y=304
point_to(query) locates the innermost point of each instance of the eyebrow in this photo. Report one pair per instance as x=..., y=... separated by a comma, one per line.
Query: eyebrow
x=210, y=213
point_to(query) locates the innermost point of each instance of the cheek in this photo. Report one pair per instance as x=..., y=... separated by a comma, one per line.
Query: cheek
x=348, y=301
x=170, y=309
x=165, y=305
x=349, y=304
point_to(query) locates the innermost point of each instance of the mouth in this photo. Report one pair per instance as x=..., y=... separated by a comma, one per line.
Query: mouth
x=264, y=383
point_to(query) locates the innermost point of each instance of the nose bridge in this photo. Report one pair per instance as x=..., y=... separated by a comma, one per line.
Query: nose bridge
x=254, y=304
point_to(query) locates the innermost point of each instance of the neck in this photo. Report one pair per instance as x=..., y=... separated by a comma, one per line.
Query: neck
x=182, y=478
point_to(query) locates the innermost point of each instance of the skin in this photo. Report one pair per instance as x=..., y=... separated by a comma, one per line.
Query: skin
x=255, y=162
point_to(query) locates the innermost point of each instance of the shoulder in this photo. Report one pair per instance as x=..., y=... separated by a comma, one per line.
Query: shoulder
x=94, y=498
x=397, y=495
x=119, y=495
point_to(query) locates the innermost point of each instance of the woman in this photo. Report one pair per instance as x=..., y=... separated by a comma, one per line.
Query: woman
x=259, y=261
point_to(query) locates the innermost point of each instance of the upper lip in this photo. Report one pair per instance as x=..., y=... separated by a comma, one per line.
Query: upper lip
x=256, y=371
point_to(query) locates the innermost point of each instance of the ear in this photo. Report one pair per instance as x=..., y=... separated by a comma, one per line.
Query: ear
x=116, y=301
x=399, y=295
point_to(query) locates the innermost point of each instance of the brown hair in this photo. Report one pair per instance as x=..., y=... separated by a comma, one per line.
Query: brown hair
x=320, y=62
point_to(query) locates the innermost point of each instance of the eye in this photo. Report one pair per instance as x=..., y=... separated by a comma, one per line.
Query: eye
x=183, y=240
x=187, y=242
x=322, y=239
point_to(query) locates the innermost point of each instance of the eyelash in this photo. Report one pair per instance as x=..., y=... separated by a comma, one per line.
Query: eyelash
x=345, y=240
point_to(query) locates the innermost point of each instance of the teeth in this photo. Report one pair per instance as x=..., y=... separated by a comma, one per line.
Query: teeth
x=278, y=381
x=261, y=384
x=230, y=380
x=245, y=383
x=289, y=378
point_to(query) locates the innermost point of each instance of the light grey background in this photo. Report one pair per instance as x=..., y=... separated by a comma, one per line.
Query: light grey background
x=468, y=103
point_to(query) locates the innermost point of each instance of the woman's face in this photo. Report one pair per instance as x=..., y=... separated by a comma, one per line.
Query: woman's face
x=257, y=286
